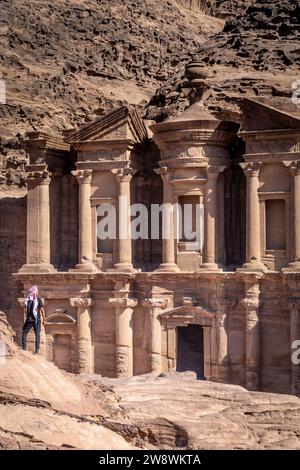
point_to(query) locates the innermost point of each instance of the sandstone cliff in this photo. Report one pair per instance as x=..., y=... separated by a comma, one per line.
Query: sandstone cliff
x=255, y=54
x=42, y=407
x=65, y=62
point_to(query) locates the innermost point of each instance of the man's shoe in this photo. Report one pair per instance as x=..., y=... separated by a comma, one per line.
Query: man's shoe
x=37, y=351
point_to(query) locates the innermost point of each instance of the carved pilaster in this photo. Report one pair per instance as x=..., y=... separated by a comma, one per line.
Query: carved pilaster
x=210, y=218
x=155, y=307
x=38, y=221
x=251, y=171
x=84, y=178
x=294, y=168
x=84, y=333
x=251, y=303
x=294, y=306
x=124, y=252
x=168, y=251
x=124, y=336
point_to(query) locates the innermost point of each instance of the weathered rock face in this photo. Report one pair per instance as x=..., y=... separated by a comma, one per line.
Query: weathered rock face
x=250, y=56
x=64, y=61
x=12, y=245
x=43, y=408
x=188, y=413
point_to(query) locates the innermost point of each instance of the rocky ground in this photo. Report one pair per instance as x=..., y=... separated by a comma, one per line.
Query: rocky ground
x=43, y=408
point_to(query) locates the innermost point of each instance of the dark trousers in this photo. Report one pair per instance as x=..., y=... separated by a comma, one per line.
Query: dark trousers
x=37, y=331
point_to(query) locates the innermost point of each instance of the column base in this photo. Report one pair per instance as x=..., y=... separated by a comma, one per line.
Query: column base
x=154, y=363
x=209, y=267
x=87, y=267
x=122, y=268
x=292, y=267
x=253, y=266
x=167, y=268
x=42, y=268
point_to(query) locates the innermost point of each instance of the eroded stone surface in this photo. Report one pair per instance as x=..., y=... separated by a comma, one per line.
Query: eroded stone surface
x=43, y=408
x=214, y=416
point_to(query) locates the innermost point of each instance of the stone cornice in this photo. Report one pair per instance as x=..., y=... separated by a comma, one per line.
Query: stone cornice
x=42, y=140
x=67, y=278
x=268, y=134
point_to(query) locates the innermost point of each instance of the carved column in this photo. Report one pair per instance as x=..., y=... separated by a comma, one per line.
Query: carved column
x=155, y=307
x=222, y=348
x=253, y=333
x=124, y=250
x=38, y=223
x=168, y=243
x=294, y=306
x=84, y=334
x=210, y=219
x=124, y=335
x=44, y=219
x=84, y=178
x=294, y=168
x=251, y=171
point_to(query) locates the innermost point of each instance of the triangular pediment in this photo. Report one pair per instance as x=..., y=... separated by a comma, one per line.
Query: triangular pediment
x=263, y=114
x=117, y=125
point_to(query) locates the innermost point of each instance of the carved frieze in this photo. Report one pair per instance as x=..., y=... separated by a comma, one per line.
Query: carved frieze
x=273, y=146
x=100, y=155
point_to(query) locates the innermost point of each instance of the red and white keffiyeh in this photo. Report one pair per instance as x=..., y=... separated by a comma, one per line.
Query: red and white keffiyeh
x=33, y=296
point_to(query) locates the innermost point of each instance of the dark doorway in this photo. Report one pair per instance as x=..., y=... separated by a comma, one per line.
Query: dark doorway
x=190, y=350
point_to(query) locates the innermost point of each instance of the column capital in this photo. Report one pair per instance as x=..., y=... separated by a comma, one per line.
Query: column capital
x=40, y=177
x=121, y=302
x=123, y=175
x=294, y=305
x=293, y=166
x=251, y=169
x=220, y=320
x=155, y=303
x=83, y=176
x=80, y=302
x=213, y=171
x=163, y=171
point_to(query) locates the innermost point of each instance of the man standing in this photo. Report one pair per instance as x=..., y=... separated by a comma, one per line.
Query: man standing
x=35, y=316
